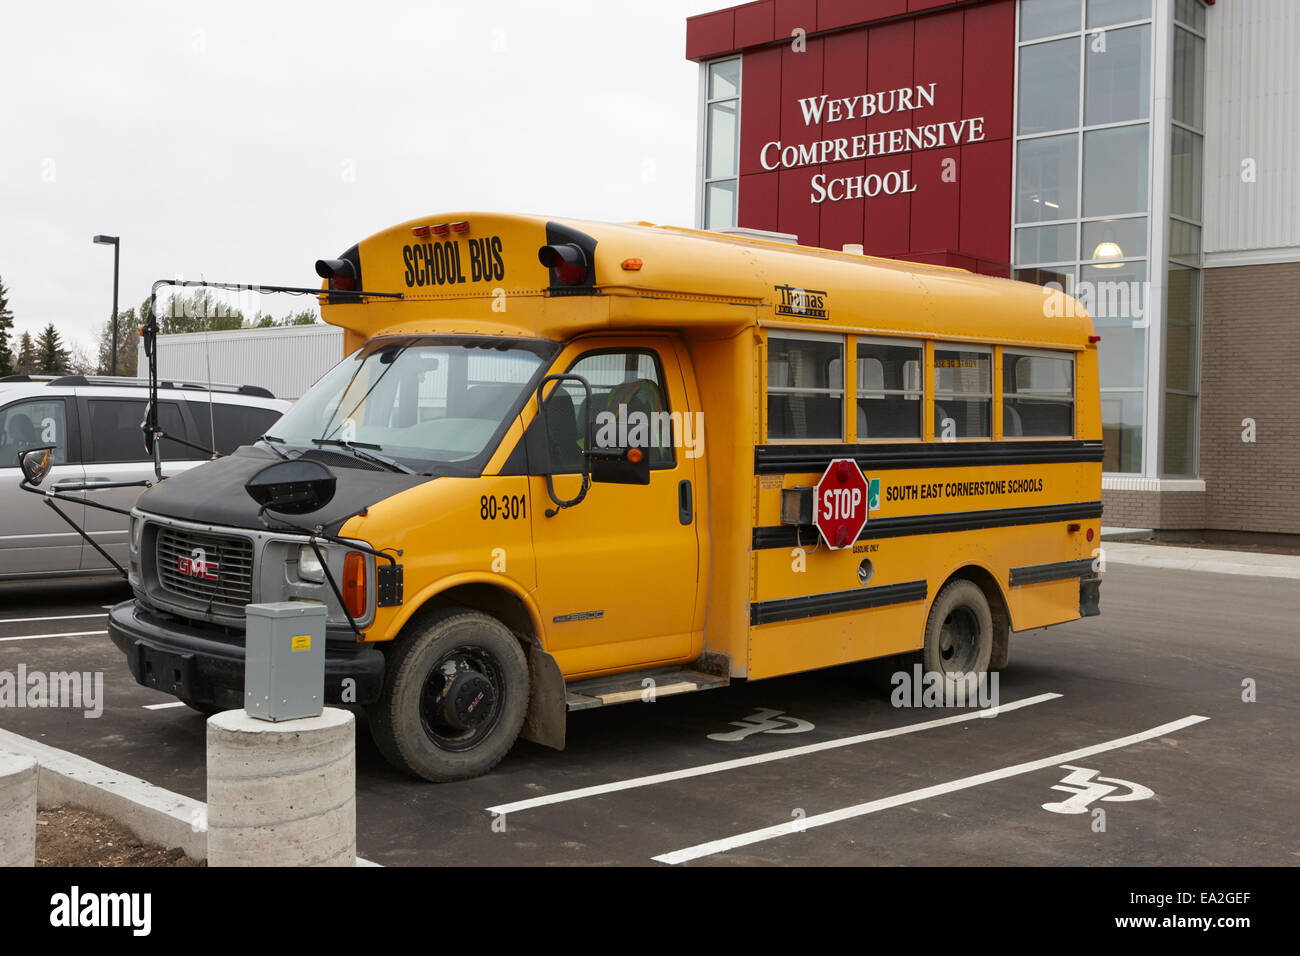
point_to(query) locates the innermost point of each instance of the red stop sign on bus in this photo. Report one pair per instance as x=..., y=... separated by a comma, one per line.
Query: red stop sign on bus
x=840, y=503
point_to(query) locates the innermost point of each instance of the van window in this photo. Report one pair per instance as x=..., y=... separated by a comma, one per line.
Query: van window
x=33, y=424
x=889, y=390
x=115, y=434
x=236, y=424
x=1037, y=395
x=805, y=387
x=963, y=392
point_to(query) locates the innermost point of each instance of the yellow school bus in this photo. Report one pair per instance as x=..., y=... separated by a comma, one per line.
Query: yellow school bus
x=576, y=464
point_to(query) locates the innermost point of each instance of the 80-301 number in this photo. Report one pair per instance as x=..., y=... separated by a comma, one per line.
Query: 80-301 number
x=492, y=507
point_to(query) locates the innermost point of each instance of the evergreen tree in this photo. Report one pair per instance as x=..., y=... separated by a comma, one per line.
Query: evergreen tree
x=51, y=356
x=128, y=337
x=6, y=323
x=26, y=364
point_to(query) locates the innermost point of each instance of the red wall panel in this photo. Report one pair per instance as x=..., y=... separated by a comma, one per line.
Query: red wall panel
x=760, y=80
x=985, y=177
x=989, y=66
x=709, y=33
x=792, y=14
x=754, y=23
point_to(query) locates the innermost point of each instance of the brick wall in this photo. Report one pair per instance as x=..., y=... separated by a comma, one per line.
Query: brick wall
x=1166, y=511
x=1250, y=368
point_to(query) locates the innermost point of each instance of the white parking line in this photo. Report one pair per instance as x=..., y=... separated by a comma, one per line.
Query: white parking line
x=61, y=617
x=37, y=637
x=566, y=795
x=172, y=703
x=912, y=796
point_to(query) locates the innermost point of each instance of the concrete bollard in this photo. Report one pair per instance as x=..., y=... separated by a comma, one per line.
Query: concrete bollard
x=17, y=810
x=282, y=794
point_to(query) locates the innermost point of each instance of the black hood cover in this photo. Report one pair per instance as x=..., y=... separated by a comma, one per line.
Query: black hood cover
x=213, y=493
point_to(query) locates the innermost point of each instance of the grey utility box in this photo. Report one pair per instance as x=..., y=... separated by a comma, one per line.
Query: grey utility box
x=284, y=663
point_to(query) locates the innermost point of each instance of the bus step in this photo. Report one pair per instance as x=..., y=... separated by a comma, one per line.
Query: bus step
x=632, y=686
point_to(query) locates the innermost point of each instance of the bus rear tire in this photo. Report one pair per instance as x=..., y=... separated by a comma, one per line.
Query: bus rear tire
x=959, y=632
x=454, y=698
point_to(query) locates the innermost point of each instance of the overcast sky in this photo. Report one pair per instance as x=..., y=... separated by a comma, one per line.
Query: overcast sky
x=242, y=141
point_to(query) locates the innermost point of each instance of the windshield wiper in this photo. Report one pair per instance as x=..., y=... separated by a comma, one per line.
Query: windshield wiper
x=356, y=448
x=271, y=438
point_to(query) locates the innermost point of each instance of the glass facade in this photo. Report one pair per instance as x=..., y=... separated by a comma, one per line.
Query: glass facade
x=721, y=143
x=1082, y=164
x=1090, y=211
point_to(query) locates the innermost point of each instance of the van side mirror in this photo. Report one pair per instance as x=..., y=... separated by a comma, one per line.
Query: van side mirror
x=35, y=463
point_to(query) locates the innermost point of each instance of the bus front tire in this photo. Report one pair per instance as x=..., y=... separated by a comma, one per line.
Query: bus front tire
x=454, y=698
x=959, y=632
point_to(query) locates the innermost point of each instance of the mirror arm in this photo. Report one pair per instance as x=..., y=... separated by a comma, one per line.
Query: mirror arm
x=89, y=540
x=561, y=504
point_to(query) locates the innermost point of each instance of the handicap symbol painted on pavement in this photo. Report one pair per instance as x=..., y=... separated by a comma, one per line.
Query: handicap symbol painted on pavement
x=1080, y=782
x=764, y=721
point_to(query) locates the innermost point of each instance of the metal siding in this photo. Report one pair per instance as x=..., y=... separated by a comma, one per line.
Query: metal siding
x=287, y=361
x=1252, y=101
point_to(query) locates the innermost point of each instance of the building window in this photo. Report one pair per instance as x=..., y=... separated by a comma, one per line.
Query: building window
x=805, y=386
x=1047, y=173
x=1115, y=171
x=1048, y=96
x=963, y=392
x=1037, y=395
x=1045, y=18
x=1117, y=77
x=721, y=143
x=889, y=390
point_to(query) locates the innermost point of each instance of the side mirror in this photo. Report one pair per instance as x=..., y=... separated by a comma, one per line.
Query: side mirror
x=293, y=487
x=35, y=463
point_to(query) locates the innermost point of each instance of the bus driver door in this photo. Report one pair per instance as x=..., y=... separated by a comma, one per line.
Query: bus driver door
x=619, y=573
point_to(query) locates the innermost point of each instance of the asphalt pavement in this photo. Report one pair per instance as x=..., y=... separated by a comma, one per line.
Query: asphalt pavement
x=1161, y=732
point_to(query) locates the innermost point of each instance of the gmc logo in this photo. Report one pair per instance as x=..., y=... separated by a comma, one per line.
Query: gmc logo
x=197, y=565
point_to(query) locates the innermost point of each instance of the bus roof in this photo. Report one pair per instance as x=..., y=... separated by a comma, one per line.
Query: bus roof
x=483, y=273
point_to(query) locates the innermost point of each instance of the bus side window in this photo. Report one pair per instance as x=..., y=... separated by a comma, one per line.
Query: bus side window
x=963, y=392
x=889, y=390
x=1037, y=395
x=805, y=386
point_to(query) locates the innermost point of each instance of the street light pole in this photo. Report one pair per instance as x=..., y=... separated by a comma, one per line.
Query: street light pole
x=115, y=243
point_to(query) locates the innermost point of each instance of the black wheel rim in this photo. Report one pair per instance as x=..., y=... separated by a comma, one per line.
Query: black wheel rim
x=959, y=642
x=444, y=734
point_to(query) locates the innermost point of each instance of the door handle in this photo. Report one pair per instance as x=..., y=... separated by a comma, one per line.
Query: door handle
x=685, y=512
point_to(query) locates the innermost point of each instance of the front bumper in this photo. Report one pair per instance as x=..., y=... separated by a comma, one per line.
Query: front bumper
x=205, y=665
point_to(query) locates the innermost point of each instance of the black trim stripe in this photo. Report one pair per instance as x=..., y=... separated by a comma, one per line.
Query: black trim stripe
x=784, y=536
x=1057, y=571
x=834, y=602
x=784, y=459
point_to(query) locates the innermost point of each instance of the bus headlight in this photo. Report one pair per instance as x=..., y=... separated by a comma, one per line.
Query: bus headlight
x=309, y=566
x=137, y=528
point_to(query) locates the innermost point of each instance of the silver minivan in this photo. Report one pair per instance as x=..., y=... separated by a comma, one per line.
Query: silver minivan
x=94, y=425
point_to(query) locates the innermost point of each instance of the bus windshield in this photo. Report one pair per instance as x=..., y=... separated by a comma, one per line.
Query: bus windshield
x=422, y=400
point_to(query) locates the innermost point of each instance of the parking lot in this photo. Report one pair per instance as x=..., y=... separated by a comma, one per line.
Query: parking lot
x=1138, y=714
